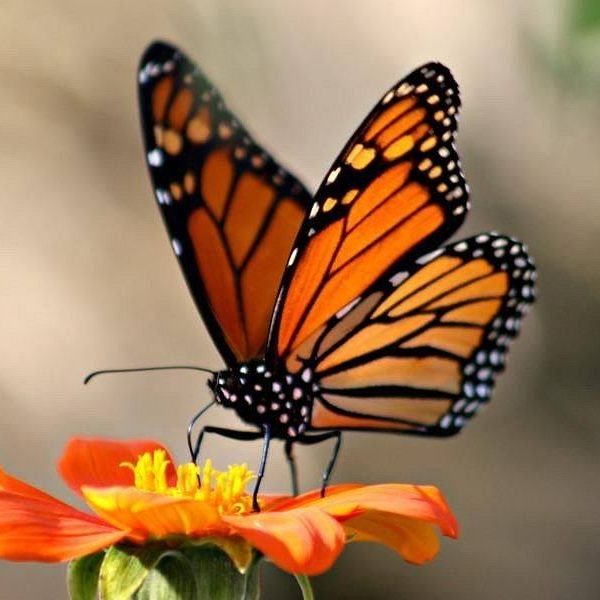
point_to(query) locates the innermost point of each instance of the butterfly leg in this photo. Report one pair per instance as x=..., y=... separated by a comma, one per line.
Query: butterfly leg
x=194, y=450
x=233, y=434
x=317, y=439
x=266, y=429
x=291, y=460
x=334, y=456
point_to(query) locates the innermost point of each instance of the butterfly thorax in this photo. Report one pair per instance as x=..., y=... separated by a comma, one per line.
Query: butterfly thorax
x=261, y=394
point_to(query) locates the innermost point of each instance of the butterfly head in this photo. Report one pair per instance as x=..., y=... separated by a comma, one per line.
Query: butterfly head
x=225, y=387
x=242, y=384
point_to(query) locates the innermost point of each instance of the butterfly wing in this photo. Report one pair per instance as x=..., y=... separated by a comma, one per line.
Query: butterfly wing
x=395, y=190
x=232, y=213
x=419, y=351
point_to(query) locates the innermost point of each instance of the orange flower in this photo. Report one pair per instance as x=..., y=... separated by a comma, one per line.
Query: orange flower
x=304, y=534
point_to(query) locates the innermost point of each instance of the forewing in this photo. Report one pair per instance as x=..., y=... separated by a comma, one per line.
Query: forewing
x=419, y=351
x=232, y=213
x=395, y=191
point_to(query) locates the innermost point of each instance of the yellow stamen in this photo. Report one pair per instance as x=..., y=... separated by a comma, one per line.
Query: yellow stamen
x=225, y=490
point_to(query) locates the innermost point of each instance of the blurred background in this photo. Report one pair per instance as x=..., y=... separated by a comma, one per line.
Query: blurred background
x=88, y=279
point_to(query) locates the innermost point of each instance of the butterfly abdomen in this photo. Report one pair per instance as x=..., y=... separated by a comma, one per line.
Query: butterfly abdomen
x=263, y=395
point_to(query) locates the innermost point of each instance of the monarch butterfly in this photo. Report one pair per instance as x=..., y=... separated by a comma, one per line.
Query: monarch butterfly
x=339, y=311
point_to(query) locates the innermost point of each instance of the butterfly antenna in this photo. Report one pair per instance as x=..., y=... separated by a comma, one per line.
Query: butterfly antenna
x=90, y=376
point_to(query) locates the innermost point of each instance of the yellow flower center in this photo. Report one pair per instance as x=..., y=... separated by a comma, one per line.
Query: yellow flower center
x=225, y=490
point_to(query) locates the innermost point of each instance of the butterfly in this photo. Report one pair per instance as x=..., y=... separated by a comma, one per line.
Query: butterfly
x=338, y=311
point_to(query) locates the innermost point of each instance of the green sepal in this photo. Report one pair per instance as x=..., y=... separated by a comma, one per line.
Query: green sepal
x=218, y=578
x=124, y=569
x=211, y=570
x=172, y=578
x=239, y=550
x=82, y=576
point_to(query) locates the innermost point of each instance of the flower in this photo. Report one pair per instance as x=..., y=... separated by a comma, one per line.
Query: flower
x=139, y=497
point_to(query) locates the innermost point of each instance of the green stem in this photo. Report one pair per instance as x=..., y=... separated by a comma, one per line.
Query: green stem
x=304, y=583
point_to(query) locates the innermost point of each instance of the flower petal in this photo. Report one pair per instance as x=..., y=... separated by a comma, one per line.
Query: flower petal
x=422, y=502
x=290, y=502
x=20, y=488
x=38, y=527
x=96, y=462
x=416, y=541
x=151, y=514
x=399, y=516
x=304, y=541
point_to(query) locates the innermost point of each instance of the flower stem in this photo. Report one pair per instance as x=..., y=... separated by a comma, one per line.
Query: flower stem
x=305, y=587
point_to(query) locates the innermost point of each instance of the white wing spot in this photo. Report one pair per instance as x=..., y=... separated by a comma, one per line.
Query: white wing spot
x=472, y=407
x=459, y=421
x=398, y=278
x=344, y=311
x=445, y=422
x=459, y=405
x=293, y=257
x=484, y=373
x=163, y=196
x=155, y=157
x=483, y=390
x=404, y=89
x=176, y=246
x=429, y=257
x=333, y=175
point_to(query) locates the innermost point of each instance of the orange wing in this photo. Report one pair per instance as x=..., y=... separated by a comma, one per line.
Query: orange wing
x=395, y=190
x=231, y=211
x=419, y=351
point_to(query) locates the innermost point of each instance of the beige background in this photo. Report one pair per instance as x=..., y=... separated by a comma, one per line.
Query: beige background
x=89, y=281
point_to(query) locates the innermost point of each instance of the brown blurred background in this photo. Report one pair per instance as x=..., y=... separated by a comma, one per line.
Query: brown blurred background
x=89, y=281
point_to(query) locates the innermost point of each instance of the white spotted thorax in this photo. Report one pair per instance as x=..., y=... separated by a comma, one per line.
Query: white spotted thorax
x=262, y=395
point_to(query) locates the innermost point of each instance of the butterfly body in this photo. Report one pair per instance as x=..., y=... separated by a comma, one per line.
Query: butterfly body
x=262, y=393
